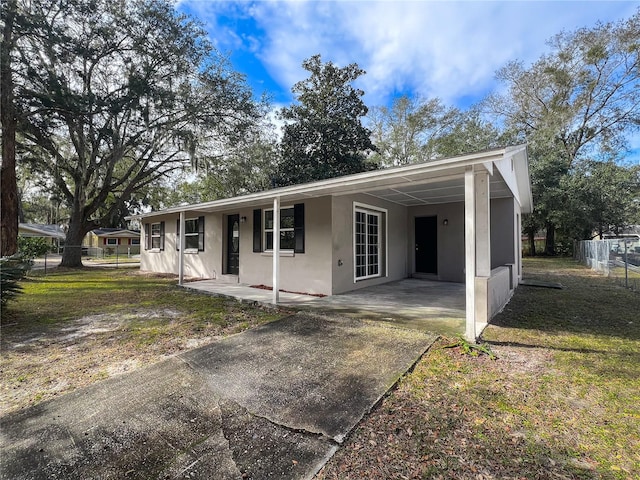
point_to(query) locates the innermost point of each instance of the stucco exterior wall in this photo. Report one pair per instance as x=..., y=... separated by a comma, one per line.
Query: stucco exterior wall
x=206, y=264
x=503, y=232
x=342, y=264
x=308, y=272
x=450, y=239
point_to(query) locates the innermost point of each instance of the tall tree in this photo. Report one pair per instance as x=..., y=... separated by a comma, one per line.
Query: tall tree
x=580, y=101
x=8, y=184
x=408, y=131
x=602, y=197
x=324, y=136
x=249, y=166
x=471, y=133
x=117, y=95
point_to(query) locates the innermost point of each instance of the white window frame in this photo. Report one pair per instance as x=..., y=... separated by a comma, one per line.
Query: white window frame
x=109, y=240
x=383, y=236
x=195, y=234
x=266, y=230
x=157, y=234
x=135, y=241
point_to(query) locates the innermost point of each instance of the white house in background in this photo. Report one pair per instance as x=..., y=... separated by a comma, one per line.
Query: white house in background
x=455, y=220
x=54, y=233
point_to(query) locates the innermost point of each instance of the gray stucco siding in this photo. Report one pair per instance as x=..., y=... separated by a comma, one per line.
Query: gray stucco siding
x=394, y=255
x=203, y=264
x=450, y=242
x=308, y=272
x=503, y=218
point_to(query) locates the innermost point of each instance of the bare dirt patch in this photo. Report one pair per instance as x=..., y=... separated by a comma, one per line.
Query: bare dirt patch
x=51, y=361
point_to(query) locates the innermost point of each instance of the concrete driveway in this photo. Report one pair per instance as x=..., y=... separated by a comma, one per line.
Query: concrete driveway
x=272, y=402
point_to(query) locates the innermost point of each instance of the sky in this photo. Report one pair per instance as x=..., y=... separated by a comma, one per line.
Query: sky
x=445, y=49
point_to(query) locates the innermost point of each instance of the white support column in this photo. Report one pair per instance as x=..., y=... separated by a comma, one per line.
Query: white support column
x=518, y=252
x=276, y=250
x=181, y=253
x=483, y=224
x=483, y=249
x=470, y=253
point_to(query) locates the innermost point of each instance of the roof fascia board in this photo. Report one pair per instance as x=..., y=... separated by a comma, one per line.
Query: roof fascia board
x=357, y=181
x=523, y=180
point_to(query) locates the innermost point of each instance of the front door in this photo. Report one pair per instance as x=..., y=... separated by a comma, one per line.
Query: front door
x=427, y=245
x=233, y=244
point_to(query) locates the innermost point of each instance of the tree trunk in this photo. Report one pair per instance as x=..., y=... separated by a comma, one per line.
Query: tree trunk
x=550, y=240
x=8, y=183
x=531, y=235
x=72, y=253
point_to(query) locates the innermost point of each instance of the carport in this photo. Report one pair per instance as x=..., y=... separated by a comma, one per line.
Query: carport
x=359, y=231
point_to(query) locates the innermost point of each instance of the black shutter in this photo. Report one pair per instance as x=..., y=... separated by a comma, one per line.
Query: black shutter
x=161, y=236
x=257, y=230
x=201, y=234
x=147, y=236
x=178, y=234
x=298, y=227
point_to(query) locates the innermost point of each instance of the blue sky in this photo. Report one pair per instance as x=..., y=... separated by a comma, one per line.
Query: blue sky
x=440, y=49
x=445, y=49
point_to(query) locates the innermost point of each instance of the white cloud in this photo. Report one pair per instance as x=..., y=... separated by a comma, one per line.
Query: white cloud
x=445, y=49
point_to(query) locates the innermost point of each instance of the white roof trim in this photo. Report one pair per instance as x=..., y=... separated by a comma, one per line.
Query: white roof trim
x=419, y=173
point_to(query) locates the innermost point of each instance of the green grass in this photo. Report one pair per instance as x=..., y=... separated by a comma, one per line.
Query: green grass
x=67, y=295
x=562, y=400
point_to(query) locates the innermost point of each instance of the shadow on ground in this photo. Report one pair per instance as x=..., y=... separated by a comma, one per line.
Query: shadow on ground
x=272, y=402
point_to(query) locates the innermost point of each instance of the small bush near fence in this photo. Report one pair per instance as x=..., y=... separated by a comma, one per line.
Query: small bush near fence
x=616, y=258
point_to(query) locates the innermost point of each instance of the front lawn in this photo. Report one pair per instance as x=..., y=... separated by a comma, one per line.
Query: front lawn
x=561, y=401
x=71, y=328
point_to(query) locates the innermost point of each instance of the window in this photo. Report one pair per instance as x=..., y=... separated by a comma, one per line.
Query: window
x=368, y=241
x=135, y=241
x=291, y=229
x=193, y=234
x=154, y=236
x=287, y=233
x=112, y=241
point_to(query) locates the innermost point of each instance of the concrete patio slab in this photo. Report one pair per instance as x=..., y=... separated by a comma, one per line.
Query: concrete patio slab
x=247, y=293
x=418, y=304
x=273, y=402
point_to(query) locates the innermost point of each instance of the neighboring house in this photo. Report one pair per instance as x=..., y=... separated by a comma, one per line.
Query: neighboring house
x=112, y=240
x=53, y=233
x=454, y=220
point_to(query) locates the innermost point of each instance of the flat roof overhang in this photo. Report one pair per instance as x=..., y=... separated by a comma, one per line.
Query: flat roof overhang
x=435, y=182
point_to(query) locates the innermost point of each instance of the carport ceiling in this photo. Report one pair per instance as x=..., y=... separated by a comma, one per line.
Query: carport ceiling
x=444, y=191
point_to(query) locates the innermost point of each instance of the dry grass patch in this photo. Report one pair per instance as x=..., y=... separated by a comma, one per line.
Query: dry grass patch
x=561, y=401
x=72, y=328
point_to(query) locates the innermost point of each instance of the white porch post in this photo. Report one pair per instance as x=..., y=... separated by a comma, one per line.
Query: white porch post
x=483, y=225
x=181, y=253
x=276, y=250
x=477, y=249
x=483, y=249
x=470, y=253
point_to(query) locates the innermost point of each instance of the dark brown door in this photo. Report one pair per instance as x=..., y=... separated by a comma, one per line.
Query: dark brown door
x=427, y=245
x=233, y=244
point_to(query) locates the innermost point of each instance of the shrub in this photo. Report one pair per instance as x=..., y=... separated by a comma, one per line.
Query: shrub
x=32, y=247
x=12, y=270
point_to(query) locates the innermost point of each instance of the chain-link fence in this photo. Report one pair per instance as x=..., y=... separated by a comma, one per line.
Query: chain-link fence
x=105, y=252
x=617, y=258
